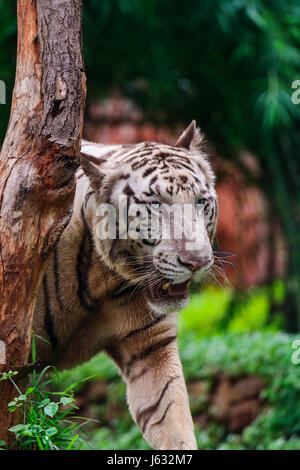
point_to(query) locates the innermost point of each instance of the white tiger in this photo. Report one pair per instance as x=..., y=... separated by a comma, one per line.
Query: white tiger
x=121, y=294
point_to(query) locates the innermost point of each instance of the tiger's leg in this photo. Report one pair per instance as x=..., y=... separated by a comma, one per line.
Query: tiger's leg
x=156, y=389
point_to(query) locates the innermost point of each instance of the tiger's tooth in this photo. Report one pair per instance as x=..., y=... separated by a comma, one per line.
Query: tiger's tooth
x=165, y=286
x=189, y=283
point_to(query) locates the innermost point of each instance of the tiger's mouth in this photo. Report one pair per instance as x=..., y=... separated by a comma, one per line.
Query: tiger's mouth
x=167, y=291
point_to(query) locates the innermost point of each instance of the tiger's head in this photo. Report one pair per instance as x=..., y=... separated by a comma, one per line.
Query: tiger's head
x=156, y=216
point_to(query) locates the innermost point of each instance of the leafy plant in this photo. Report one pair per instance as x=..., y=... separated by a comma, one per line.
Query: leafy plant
x=48, y=417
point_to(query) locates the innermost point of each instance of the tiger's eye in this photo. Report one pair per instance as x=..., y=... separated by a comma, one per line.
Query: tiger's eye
x=155, y=204
x=200, y=202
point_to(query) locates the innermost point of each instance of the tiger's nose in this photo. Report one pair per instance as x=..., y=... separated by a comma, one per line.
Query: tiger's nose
x=194, y=264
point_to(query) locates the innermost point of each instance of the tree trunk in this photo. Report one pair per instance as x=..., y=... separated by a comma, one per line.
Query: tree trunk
x=37, y=165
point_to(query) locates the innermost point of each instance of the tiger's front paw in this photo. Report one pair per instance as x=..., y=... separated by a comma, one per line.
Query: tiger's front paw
x=180, y=443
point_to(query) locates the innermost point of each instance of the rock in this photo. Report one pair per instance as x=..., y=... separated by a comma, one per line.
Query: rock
x=241, y=414
x=237, y=402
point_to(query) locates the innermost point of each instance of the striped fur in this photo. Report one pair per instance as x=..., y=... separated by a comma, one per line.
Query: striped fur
x=93, y=296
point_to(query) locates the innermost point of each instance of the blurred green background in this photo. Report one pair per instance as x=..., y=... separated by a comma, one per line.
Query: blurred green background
x=229, y=64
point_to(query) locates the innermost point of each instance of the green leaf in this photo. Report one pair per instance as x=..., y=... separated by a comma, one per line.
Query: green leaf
x=78, y=382
x=51, y=409
x=44, y=402
x=72, y=442
x=21, y=398
x=2, y=444
x=12, y=403
x=17, y=428
x=7, y=375
x=51, y=431
x=66, y=400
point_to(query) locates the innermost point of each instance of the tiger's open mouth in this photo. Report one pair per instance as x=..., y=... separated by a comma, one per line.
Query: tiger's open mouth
x=167, y=291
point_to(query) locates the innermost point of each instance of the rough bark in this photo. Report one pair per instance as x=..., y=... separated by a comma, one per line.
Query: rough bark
x=37, y=165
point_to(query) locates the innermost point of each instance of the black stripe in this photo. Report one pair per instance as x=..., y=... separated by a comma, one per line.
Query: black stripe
x=109, y=154
x=146, y=327
x=181, y=165
x=92, y=159
x=157, y=190
x=57, y=278
x=148, y=171
x=163, y=416
x=140, y=374
x=84, y=260
x=149, y=194
x=114, y=353
x=128, y=191
x=49, y=324
x=139, y=164
x=147, y=242
x=121, y=290
x=155, y=347
x=146, y=413
x=152, y=181
x=114, y=249
x=137, y=153
x=178, y=159
x=87, y=197
x=137, y=200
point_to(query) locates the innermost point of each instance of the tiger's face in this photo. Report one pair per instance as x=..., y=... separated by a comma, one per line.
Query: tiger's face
x=162, y=202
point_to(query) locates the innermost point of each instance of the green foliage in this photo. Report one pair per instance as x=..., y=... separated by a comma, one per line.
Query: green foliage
x=121, y=436
x=205, y=311
x=8, y=375
x=215, y=310
x=261, y=353
x=48, y=417
x=99, y=367
x=217, y=53
x=267, y=354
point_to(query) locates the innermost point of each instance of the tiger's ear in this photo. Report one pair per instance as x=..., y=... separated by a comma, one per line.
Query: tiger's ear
x=191, y=138
x=92, y=168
